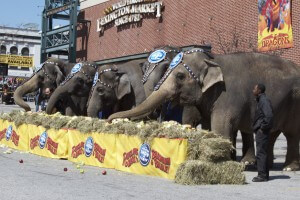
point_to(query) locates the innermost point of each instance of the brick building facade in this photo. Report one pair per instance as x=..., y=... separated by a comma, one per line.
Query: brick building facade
x=229, y=26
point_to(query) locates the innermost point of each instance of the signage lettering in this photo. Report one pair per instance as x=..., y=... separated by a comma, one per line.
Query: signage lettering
x=274, y=42
x=130, y=157
x=77, y=150
x=15, y=138
x=157, y=160
x=34, y=142
x=160, y=162
x=13, y=60
x=2, y=134
x=98, y=152
x=128, y=11
x=51, y=146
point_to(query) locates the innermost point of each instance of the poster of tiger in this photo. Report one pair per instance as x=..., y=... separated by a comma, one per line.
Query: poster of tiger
x=274, y=25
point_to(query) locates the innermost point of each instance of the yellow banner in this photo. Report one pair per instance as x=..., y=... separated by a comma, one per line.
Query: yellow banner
x=49, y=143
x=94, y=149
x=17, y=61
x=3, y=59
x=274, y=25
x=160, y=158
x=13, y=137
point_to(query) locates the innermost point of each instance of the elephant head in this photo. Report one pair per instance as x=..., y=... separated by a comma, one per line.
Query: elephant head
x=46, y=77
x=156, y=65
x=78, y=83
x=110, y=87
x=189, y=76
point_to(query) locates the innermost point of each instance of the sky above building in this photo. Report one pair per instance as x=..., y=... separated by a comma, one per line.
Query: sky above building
x=19, y=13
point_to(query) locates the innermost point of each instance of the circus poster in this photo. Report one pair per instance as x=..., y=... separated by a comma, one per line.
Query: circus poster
x=274, y=25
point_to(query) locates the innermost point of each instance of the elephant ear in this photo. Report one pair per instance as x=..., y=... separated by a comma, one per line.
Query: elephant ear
x=59, y=75
x=123, y=87
x=214, y=75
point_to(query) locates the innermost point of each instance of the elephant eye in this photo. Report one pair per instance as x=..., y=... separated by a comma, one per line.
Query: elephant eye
x=80, y=80
x=100, y=90
x=41, y=77
x=180, y=76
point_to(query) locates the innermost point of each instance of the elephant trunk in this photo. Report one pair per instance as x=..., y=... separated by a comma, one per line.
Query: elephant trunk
x=29, y=86
x=59, y=93
x=92, y=112
x=155, y=77
x=153, y=101
x=93, y=108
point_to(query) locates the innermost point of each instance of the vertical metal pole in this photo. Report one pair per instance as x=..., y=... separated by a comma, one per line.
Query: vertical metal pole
x=44, y=30
x=73, y=30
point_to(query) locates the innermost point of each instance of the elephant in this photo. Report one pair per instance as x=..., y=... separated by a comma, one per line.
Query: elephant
x=220, y=86
x=116, y=87
x=73, y=92
x=154, y=69
x=47, y=76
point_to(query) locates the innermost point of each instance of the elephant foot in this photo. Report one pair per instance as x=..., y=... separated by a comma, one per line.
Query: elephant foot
x=294, y=166
x=248, y=160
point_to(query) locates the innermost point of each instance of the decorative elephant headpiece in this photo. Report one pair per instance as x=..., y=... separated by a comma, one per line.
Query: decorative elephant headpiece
x=85, y=68
x=162, y=54
x=78, y=83
x=53, y=76
x=189, y=75
x=48, y=75
x=109, y=77
x=208, y=72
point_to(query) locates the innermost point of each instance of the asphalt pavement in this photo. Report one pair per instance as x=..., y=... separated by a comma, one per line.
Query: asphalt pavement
x=44, y=178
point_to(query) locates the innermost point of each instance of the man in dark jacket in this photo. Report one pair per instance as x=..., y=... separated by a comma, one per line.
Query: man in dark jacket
x=262, y=125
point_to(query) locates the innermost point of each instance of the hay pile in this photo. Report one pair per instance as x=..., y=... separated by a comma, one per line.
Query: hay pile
x=196, y=172
x=208, y=157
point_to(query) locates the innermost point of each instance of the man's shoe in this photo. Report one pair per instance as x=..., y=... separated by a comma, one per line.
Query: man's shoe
x=259, y=179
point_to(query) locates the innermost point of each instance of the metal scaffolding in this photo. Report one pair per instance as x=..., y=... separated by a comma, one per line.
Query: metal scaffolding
x=60, y=40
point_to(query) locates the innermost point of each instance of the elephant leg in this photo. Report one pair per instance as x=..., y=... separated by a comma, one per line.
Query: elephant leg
x=272, y=139
x=163, y=113
x=224, y=126
x=292, y=156
x=69, y=111
x=233, y=141
x=248, y=148
x=205, y=124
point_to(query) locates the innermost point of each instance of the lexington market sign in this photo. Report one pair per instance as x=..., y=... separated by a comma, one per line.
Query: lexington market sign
x=128, y=11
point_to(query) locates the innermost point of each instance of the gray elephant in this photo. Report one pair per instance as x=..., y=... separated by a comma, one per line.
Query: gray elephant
x=116, y=87
x=154, y=69
x=72, y=94
x=46, y=77
x=220, y=88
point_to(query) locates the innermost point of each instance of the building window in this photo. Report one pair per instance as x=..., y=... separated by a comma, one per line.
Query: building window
x=3, y=49
x=13, y=67
x=25, y=51
x=25, y=68
x=14, y=50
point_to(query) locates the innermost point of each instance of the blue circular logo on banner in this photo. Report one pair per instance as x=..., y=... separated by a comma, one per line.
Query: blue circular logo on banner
x=88, y=146
x=176, y=60
x=9, y=132
x=43, y=139
x=95, y=78
x=38, y=68
x=145, y=154
x=157, y=56
x=76, y=68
